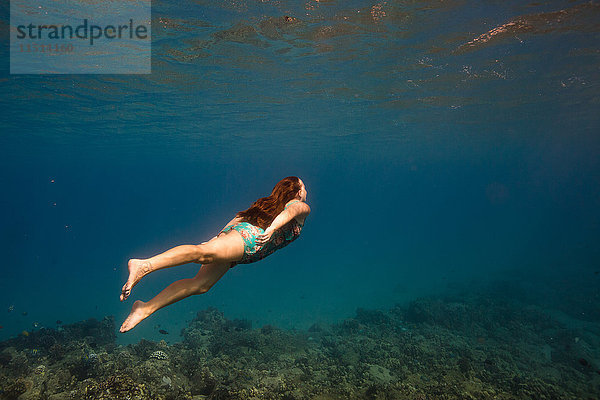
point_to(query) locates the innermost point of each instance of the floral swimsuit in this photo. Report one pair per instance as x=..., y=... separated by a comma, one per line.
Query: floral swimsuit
x=280, y=238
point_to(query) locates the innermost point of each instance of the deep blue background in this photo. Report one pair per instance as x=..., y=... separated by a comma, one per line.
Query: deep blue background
x=428, y=166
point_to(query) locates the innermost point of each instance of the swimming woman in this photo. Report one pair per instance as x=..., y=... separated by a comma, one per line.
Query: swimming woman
x=268, y=225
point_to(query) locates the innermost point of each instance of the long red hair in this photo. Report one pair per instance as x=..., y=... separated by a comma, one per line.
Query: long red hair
x=264, y=210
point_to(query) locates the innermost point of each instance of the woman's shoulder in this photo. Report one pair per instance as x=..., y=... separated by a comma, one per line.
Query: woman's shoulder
x=301, y=210
x=305, y=209
x=293, y=201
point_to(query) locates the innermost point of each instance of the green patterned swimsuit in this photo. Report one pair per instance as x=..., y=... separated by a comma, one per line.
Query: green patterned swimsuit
x=280, y=238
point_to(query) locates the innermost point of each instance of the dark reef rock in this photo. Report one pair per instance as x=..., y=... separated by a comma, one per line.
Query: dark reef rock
x=464, y=366
x=470, y=347
x=437, y=312
x=12, y=389
x=114, y=387
x=5, y=358
x=238, y=325
x=371, y=317
x=96, y=333
x=203, y=382
x=144, y=348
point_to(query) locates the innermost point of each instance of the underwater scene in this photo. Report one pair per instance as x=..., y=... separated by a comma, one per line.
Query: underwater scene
x=445, y=223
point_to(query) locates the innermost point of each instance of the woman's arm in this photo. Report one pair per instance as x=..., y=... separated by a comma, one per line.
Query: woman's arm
x=299, y=209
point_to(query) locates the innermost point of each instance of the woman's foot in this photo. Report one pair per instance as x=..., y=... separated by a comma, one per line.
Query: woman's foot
x=138, y=313
x=137, y=270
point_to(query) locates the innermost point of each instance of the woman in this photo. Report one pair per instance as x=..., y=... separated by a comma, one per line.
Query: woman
x=268, y=225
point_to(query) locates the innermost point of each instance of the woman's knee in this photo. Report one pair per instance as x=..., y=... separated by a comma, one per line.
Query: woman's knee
x=205, y=253
x=201, y=286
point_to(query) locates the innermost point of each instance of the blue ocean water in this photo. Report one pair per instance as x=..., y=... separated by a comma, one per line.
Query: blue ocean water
x=439, y=150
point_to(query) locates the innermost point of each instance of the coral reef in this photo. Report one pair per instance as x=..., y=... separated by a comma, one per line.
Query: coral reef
x=159, y=355
x=462, y=347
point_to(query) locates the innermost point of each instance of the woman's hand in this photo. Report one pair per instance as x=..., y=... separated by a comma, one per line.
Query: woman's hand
x=265, y=237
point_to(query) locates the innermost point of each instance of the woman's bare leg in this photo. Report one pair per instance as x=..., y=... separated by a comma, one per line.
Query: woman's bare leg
x=208, y=275
x=139, y=268
x=226, y=247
